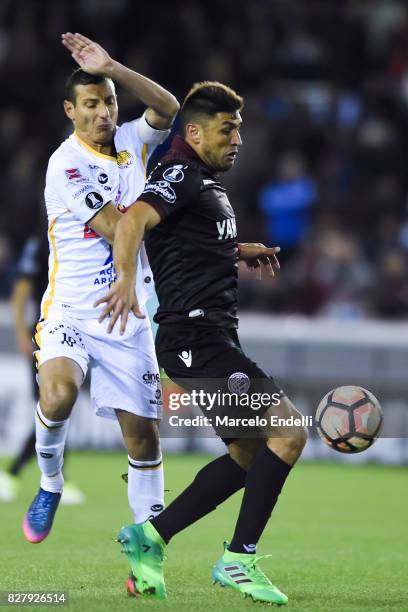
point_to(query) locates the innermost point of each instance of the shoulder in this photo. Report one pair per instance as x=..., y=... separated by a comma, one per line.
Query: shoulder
x=67, y=161
x=176, y=170
x=175, y=183
x=176, y=173
x=126, y=131
x=66, y=150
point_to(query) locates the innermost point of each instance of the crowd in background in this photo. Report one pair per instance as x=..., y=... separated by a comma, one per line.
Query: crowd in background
x=322, y=171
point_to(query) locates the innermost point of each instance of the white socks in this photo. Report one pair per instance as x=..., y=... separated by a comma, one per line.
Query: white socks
x=50, y=443
x=145, y=488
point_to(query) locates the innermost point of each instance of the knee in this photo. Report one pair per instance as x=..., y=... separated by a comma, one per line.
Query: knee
x=243, y=459
x=142, y=449
x=297, y=443
x=244, y=452
x=142, y=440
x=57, y=398
x=289, y=448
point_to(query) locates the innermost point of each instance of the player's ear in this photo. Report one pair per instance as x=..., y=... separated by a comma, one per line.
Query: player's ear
x=193, y=132
x=69, y=109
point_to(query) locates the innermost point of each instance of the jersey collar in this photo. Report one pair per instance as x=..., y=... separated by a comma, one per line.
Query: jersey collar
x=94, y=151
x=181, y=148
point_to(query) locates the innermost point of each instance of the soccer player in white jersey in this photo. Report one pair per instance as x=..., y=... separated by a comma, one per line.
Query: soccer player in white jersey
x=92, y=178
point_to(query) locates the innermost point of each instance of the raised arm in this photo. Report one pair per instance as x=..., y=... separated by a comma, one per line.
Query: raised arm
x=91, y=57
x=121, y=298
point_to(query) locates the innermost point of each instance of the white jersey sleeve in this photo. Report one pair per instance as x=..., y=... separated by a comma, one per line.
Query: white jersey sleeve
x=146, y=133
x=71, y=185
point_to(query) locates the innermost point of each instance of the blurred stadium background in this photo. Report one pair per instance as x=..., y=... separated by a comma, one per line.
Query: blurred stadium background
x=322, y=173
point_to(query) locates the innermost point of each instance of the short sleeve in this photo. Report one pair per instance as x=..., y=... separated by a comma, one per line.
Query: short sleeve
x=75, y=189
x=150, y=135
x=171, y=187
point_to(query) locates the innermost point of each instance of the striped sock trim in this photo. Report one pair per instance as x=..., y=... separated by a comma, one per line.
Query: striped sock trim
x=145, y=465
x=51, y=425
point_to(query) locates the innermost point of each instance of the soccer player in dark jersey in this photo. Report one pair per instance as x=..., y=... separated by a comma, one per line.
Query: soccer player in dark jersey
x=193, y=251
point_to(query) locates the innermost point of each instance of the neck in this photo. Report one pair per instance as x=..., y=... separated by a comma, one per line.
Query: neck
x=104, y=149
x=199, y=152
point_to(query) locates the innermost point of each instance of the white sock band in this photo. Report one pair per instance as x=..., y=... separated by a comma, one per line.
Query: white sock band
x=50, y=443
x=145, y=488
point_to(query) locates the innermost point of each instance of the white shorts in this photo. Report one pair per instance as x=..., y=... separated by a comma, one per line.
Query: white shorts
x=124, y=370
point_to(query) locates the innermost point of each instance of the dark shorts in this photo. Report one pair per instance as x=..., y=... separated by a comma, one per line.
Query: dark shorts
x=212, y=359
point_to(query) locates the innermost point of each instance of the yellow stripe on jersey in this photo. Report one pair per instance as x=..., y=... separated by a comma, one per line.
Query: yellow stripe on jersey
x=144, y=157
x=94, y=151
x=48, y=301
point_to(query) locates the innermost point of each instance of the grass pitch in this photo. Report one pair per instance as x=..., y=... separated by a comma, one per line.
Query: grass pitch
x=338, y=538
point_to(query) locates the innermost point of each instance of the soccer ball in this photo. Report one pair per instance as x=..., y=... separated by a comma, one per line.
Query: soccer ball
x=349, y=419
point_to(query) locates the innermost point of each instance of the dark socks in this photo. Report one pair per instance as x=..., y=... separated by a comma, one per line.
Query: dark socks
x=213, y=484
x=264, y=481
x=26, y=453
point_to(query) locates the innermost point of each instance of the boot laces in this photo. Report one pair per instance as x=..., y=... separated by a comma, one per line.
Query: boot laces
x=255, y=571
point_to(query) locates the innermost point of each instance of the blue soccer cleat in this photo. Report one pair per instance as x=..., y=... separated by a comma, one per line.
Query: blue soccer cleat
x=38, y=521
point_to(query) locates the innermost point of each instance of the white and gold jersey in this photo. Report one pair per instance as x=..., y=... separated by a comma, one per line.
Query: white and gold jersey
x=79, y=183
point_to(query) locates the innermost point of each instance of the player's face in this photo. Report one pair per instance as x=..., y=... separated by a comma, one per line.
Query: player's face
x=94, y=113
x=220, y=139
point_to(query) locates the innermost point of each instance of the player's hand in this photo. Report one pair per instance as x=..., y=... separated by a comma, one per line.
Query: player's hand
x=120, y=300
x=258, y=256
x=90, y=56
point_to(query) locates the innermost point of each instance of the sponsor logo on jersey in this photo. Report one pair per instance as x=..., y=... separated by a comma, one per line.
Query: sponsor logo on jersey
x=239, y=383
x=100, y=175
x=186, y=357
x=103, y=178
x=105, y=277
x=174, y=174
x=198, y=312
x=163, y=189
x=227, y=229
x=108, y=273
x=124, y=159
x=73, y=174
x=151, y=378
x=81, y=191
x=94, y=200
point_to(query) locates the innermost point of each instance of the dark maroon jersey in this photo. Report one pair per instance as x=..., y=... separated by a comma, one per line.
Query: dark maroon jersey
x=193, y=250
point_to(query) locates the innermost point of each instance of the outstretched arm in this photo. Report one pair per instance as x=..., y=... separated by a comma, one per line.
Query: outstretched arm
x=93, y=58
x=121, y=298
x=257, y=255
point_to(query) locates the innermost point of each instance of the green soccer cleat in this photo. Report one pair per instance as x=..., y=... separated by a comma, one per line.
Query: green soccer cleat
x=241, y=572
x=144, y=548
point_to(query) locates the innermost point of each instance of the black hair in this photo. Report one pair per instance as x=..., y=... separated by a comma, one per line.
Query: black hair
x=80, y=77
x=209, y=98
